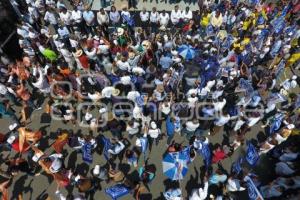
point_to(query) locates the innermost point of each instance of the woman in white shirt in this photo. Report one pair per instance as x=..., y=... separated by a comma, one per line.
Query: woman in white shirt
x=132, y=128
x=154, y=133
x=114, y=16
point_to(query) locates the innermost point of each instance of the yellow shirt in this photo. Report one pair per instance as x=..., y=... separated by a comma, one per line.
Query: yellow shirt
x=205, y=20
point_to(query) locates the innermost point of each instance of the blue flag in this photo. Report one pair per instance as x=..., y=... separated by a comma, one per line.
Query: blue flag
x=107, y=145
x=251, y=155
x=253, y=2
x=129, y=20
x=186, y=153
x=276, y=123
x=206, y=153
x=253, y=192
x=117, y=191
x=87, y=152
x=236, y=166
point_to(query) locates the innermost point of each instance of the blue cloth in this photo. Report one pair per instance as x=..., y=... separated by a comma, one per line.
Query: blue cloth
x=144, y=144
x=87, y=152
x=170, y=126
x=117, y=191
x=107, y=145
x=206, y=153
x=252, y=155
x=276, y=123
x=253, y=192
x=165, y=62
x=236, y=166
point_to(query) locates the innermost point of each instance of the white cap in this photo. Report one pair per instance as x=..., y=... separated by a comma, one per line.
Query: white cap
x=176, y=60
x=153, y=125
x=294, y=77
x=96, y=170
x=12, y=126
x=102, y=110
x=290, y=126
x=11, y=139
x=174, y=53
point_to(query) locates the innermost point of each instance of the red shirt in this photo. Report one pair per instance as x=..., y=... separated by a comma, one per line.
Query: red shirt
x=218, y=155
x=84, y=61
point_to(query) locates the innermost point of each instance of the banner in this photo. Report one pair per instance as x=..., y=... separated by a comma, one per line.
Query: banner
x=252, y=155
x=144, y=144
x=236, y=166
x=253, y=192
x=87, y=152
x=107, y=145
x=276, y=122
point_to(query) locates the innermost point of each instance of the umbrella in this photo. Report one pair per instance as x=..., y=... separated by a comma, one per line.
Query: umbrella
x=175, y=166
x=186, y=51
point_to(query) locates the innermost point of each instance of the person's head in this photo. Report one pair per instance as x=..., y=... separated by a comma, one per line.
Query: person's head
x=112, y=8
x=102, y=11
x=154, y=9
x=218, y=13
x=128, y=153
x=124, y=8
x=187, y=9
x=163, y=12
x=144, y=9
x=176, y=8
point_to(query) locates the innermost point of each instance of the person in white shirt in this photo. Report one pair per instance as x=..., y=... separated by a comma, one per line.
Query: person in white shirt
x=125, y=13
x=201, y=193
x=190, y=128
x=103, y=21
x=176, y=16
x=187, y=15
x=90, y=19
x=154, y=19
x=68, y=56
x=164, y=18
x=117, y=148
x=144, y=15
x=132, y=128
x=77, y=19
x=66, y=17
x=154, y=133
x=114, y=16
x=50, y=18
x=233, y=185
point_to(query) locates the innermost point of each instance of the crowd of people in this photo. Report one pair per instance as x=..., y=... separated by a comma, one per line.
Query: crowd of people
x=136, y=80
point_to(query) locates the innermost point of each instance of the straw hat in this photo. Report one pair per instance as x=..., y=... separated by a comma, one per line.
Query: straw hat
x=120, y=31
x=110, y=116
x=162, y=28
x=78, y=53
x=115, y=92
x=160, y=88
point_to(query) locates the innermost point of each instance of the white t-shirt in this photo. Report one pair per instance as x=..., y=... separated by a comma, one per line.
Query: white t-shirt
x=222, y=120
x=190, y=126
x=107, y=91
x=144, y=16
x=154, y=17
x=164, y=19
x=66, y=17
x=187, y=15
x=154, y=133
x=133, y=129
x=50, y=17
x=77, y=16
x=175, y=16
x=199, y=194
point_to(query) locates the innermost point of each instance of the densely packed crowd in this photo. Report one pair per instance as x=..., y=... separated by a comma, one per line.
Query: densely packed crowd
x=229, y=68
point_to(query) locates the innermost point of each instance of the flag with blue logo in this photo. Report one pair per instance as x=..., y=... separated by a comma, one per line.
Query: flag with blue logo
x=278, y=24
x=107, y=145
x=252, y=155
x=253, y=192
x=87, y=152
x=206, y=153
x=276, y=122
x=186, y=154
x=236, y=166
x=117, y=191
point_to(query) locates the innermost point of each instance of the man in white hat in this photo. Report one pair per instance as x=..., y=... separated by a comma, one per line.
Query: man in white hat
x=154, y=133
